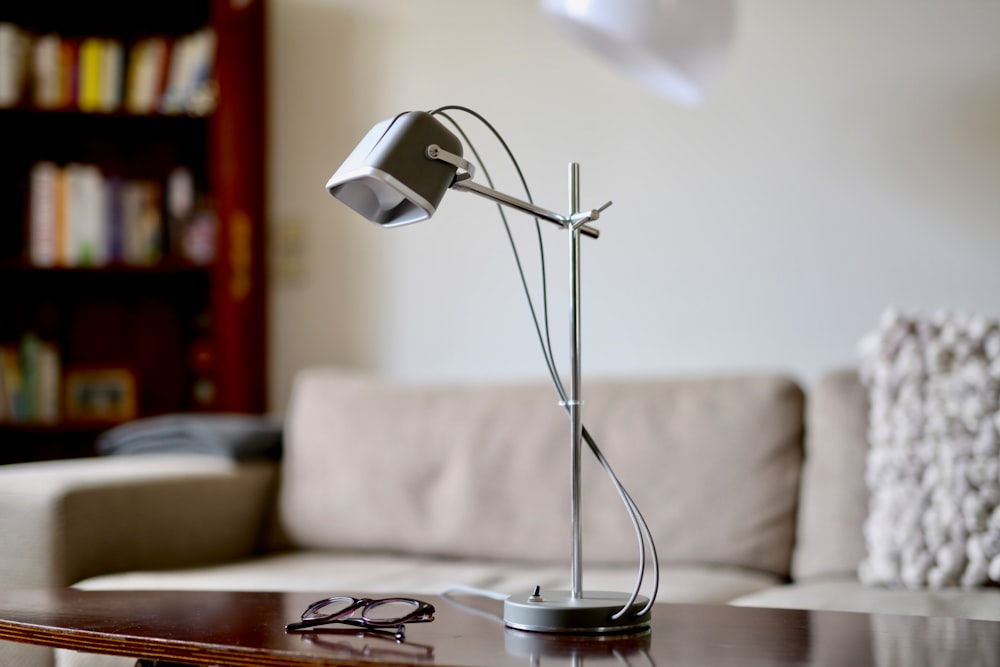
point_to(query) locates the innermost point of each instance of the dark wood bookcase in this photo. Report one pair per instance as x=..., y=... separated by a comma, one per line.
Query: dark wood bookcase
x=190, y=334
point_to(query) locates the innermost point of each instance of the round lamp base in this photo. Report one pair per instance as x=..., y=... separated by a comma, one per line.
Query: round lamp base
x=558, y=611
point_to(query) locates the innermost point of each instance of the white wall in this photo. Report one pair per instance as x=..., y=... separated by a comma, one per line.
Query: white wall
x=847, y=158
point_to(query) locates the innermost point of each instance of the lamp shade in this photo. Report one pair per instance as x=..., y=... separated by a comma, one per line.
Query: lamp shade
x=670, y=46
x=388, y=177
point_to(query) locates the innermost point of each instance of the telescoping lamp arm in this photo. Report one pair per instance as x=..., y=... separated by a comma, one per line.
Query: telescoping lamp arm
x=463, y=182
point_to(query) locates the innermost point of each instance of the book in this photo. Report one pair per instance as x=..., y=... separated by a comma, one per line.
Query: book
x=47, y=79
x=48, y=383
x=172, y=101
x=116, y=219
x=112, y=75
x=69, y=79
x=5, y=399
x=43, y=226
x=62, y=218
x=150, y=221
x=200, y=89
x=14, y=50
x=142, y=222
x=133, y=250
x=90, y=217
x=10, y=369
x=71, y=193
x=40, y=380
x=29, y=377
x=147, y=65
x=85, y=216
x=90, y=74
x=189, y=87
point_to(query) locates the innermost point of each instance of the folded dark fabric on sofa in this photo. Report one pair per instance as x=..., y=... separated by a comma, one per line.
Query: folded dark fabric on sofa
x=234, y=436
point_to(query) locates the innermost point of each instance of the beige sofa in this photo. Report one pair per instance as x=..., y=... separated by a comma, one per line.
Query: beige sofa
x=755, y=495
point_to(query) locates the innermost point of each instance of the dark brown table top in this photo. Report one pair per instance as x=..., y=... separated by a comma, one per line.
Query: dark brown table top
x=237, y=629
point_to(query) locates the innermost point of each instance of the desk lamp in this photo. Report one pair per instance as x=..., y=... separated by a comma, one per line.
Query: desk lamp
x=398, y=175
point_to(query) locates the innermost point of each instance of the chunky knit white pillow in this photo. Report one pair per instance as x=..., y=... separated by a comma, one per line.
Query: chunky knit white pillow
x=933, y=466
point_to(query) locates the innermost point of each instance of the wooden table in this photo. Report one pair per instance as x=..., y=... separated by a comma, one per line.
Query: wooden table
x=238, y=629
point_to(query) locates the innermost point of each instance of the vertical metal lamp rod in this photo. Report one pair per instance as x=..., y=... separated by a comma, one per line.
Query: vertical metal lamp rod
x=575, y=416
x=573, y=610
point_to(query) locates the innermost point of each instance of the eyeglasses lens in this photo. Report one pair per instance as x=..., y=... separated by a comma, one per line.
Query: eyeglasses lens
x=333, y=607
x=390, y=611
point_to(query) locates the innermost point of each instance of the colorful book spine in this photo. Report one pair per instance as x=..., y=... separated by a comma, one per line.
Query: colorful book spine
x=14, y=50
x=62, y=218
x=112, y=75
x=30, y=381
x=189, y=86
x=43, y=226
x=46, y=66
x=87, y=218
x=91, y=74
x=142, y=222
x=48, y=384
x=73, y=224
x=69, y=79
x=146, y=72
x=115, y=220
x=10, y=379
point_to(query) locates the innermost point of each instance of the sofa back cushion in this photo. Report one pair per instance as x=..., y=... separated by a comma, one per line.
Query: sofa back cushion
x=834, y=498
x=483, y=471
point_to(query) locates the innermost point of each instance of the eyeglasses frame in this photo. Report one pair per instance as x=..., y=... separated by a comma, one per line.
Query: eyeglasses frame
x=422, y=613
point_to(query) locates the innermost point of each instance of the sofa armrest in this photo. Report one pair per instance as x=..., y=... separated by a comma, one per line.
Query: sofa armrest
x=63, y=521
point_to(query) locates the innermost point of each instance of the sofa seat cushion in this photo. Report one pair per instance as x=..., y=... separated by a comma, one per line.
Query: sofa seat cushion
x=851, y=595
x=482, y=471
x=380, y=573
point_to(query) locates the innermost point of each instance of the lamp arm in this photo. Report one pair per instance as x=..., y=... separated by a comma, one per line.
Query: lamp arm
x=468, y=185
x=464, y=182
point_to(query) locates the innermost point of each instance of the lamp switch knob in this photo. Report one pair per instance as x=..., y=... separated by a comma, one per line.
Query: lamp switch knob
x=536, y=595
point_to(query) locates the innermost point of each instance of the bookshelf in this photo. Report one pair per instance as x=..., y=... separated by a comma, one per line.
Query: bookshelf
x=131, y=222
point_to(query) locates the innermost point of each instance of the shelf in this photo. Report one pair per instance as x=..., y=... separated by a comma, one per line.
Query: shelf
x=166, y=267
x=22, y=443
x=80, y=427
x=62, y=114
x=76, y=287
x=107, y=17
x=62, y=428
x=136, y=145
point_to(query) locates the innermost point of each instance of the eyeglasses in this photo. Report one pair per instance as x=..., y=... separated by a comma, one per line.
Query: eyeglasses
x=377, y=614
